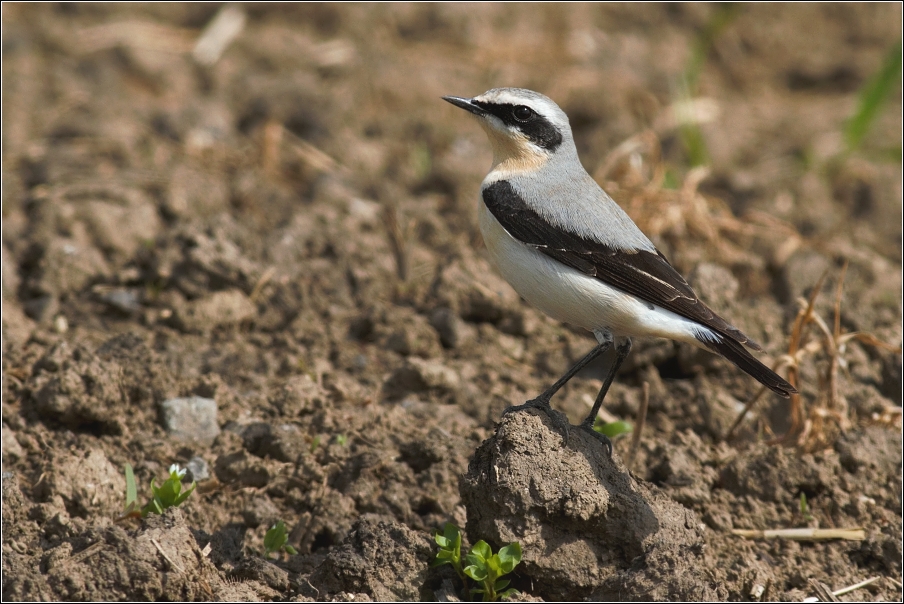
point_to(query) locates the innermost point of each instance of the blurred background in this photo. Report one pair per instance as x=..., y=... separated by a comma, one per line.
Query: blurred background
x=271, y=206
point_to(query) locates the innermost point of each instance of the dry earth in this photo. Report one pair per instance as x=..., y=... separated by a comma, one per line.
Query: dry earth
x=287, y=233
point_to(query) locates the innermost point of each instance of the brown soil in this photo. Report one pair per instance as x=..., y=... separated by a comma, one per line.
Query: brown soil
x=290, y=232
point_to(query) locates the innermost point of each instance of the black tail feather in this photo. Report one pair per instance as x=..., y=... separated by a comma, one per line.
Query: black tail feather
x=737, y=354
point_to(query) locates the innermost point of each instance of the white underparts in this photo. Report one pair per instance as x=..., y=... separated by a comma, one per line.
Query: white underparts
x=568, y=295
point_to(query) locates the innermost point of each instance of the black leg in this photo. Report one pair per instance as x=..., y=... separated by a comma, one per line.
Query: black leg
x=542, y=401
x=621, y=352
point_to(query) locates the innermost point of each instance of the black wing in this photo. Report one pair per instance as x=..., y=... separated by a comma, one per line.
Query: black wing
x=641, y=273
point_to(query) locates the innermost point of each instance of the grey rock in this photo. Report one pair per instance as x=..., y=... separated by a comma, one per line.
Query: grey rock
x=192, y=419
x=198, y=469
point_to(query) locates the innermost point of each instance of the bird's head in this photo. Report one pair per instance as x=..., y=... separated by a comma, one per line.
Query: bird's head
x=525, y=128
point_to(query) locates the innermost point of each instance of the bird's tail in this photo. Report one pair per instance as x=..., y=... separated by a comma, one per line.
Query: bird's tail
x=737, y=354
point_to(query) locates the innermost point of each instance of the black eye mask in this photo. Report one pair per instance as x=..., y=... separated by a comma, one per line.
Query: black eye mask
x=535, y=127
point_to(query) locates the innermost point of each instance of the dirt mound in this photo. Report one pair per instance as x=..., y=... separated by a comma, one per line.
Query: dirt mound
x=587, y=526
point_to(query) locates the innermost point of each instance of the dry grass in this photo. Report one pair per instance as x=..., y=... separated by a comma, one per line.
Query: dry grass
x=816, y=425
x=683, y=218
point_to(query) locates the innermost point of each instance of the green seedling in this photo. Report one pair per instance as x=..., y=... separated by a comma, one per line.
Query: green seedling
x=488, y=568
x=613, y=429
x=167, y=495
x=276, y=540
x=449, y=542
x=691, y=134
x=805, y=508
x=341, y=440
x=873, y=96
x=314, y=444
x=484, y=567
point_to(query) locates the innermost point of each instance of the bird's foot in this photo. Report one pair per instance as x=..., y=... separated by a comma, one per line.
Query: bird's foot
x=559, y=421
x=587, y=425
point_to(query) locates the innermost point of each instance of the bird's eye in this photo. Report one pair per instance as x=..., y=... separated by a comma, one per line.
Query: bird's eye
x=522, y=113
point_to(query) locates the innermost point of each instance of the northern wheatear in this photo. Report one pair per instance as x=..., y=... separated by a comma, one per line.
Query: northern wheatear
x=571, y=251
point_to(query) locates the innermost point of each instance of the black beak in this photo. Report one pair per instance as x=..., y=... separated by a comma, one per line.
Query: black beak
x=466, y=104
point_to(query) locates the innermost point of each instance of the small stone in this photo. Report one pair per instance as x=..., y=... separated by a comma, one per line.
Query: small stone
x=124, y=300
x=198, y=469
x=219, y=308
x=399, y=341
x=435, y=375
x=419, y=375
x=60, y=324
x=449, y=327
x=718, y=519
x=12, y=450
x=192, y=419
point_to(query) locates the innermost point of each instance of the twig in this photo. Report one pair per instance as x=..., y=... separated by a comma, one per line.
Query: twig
x=135, y=34
x=271, y=146
x=794, y=346
x=397, y=239
x=311, y=155
x=638, y=425
x=167, y=558
x=219, y=34
x=804, y=534
x=856, y=586
x=834, y=351
x=823, y=592
x=86, y=553
x=791, y=362
x=264, y=279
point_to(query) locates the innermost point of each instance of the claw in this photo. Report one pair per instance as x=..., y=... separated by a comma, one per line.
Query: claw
x=606, y=442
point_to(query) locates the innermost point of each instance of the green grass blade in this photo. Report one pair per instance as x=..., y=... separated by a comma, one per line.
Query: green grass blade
x=131, y=487
x=873, y=97
x=687, y=89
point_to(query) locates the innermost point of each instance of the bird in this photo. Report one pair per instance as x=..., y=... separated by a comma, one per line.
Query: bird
x=570, y=250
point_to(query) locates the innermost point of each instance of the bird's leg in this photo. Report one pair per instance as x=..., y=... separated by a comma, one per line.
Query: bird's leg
x=542, y=401
x=621, y=352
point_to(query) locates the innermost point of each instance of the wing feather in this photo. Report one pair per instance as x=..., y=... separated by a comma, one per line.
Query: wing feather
x=642, y=273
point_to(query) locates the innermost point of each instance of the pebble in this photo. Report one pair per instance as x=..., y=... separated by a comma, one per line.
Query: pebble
x=192, y=419
x=198, y=469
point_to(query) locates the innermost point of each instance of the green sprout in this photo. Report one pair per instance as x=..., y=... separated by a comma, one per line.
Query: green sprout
x=688, y=88
x=276, y=540
x=484, y=567
x=612, y=429
x=805, y=508
x=167, y=495
x=449, y=543
x=341, y=440
x=873, y=96
x=488, y=569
